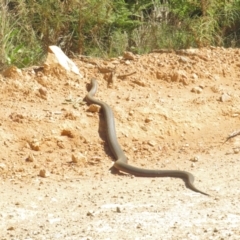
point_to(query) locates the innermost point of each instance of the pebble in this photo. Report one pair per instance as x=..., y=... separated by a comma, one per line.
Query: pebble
x=90, y=213
x=30, y=158
x=67, y=132
x=140, y=83
x=79, y=157
x=148, y=119
x=236, y=150
x=118, y=210
x=93, y=108
x=43, y=91
x=196, y=90
x=10, y=228
x=129, y=56
x=152, y=143
x=3, y=166
x=194, y=159
x=183, y=59
x=131, y=113
x=225, y=98
x=44, y=173
x=35, y=145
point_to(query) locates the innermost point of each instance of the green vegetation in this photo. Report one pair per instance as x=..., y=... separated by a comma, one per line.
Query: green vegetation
x=107, y=28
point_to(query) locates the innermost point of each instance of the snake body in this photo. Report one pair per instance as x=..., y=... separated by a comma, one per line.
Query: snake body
x=121, y=160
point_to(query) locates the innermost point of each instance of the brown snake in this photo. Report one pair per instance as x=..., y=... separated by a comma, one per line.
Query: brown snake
x=121, y=160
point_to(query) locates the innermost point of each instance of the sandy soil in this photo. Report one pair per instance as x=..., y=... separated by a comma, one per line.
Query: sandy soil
x=173, y=110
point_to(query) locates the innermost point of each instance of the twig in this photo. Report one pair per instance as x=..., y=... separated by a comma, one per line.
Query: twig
x=126, y=75
x=232, y=135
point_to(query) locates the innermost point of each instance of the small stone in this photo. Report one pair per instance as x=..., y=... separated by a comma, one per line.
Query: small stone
x=148, y=119
x=179, y=76
x=79, y=157
x=236, y=150
x=3, y=166
x=152, y=143
x=90, y=213
x=68, y=132
x=194, y=159
x=30, y=158
x=44, y=173
x=195, y=76
x=196, y=90
x=43, y=80
x=10, y=228
x=129, y=56
x=216, y=89
x=93, y=108
x=118, y=210
x=35, y=145
x=140, y=83
x=131, y=113
x=115, y=62
x=175, y=76
x=183, y=59
x=144, y=128
x=43, y=91
x=225, y=98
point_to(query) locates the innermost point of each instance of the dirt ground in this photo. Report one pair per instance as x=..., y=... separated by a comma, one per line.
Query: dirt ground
x=173, y=110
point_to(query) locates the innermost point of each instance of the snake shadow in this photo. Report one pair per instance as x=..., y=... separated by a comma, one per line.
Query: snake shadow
x=103, y=135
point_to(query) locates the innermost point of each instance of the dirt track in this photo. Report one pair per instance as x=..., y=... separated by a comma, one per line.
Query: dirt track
x=172, y=111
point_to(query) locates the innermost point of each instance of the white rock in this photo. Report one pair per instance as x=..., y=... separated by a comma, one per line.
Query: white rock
x=63, y=60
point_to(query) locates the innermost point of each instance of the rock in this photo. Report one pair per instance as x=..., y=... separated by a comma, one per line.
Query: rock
x=57, y=58
x=129, y=56
x=225, y=97
x=30, y=158
x=35, y=145
x=216, y=89
x=90, y=213
x=140, y=83
x=194, y=159
x=43, y=91
x=93, y=108
x=196, y=90
x=10, y=228
x=151, y=143
x=131, y=113
x=3, y=166
x=183, y=59
x=118, y=210
x=68, y=132
x=148, y=119
x=194, y=76
x=178, y=76
x=44, y=173
x=236, y=150
x=79, y=158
